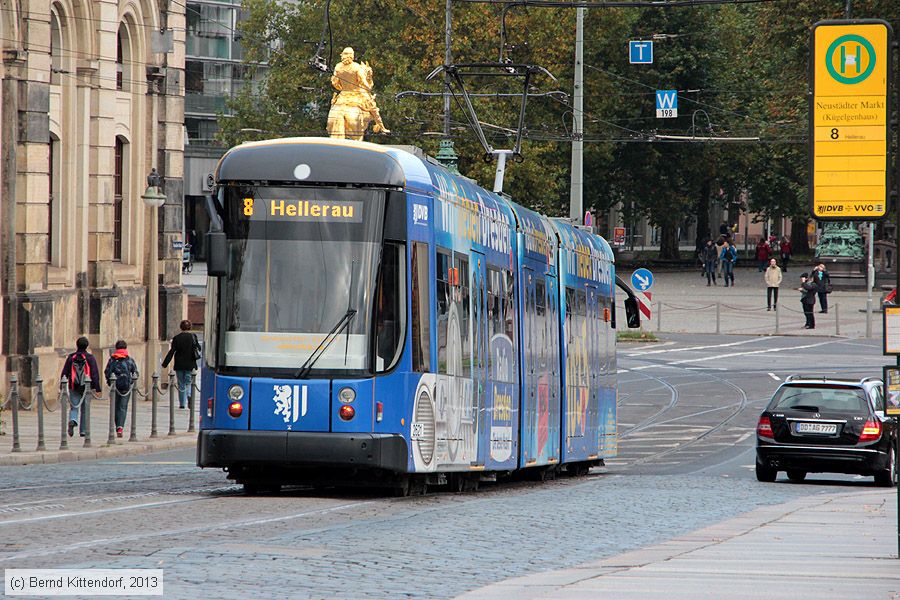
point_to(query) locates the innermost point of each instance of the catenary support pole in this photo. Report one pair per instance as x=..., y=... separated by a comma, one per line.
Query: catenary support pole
x=870, y=279
x=576, y=200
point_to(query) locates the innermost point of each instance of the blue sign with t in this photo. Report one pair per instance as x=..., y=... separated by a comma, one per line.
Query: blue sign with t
x=640, y=52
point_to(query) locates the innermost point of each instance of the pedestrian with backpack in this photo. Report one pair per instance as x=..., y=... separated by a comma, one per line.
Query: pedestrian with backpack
x=121, y=371
x=186, y=350
x=80, y=365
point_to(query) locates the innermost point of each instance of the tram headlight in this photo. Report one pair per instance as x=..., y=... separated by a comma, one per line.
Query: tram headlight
x=347, y=395
x=236, y=393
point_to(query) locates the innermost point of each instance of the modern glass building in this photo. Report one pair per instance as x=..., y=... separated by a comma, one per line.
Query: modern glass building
x=214, y=72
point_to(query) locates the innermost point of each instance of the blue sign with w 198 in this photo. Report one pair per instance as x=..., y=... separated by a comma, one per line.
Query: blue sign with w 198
x=666, y=104
x=640, y=52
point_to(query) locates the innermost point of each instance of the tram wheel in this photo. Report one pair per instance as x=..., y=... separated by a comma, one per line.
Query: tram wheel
x=401, y=488
x=251, y=489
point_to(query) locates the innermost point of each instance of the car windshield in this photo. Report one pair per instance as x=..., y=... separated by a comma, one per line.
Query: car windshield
x=300, y=260
x=820, y=398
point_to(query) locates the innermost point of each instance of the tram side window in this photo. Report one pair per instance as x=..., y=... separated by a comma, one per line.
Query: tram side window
x=444, y=300
x=421, y=305
x=570, y=315
x=581, y=328
x=462, y=266
x=509, y=315
x=540, y=322
x=389, y=322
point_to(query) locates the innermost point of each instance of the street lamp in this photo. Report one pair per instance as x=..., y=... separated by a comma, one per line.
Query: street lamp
x=153, y=198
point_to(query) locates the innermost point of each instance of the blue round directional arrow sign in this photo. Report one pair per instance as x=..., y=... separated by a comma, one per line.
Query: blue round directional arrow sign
x=642, y=279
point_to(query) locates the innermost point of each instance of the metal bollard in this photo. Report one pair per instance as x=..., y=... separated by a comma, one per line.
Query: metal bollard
x=153, y=404
x=837, y=320
x=14, y=400
x=659, y=316
x=86, y=396
x=39, y=381
x=718, y=317
x=64, y=413
x=111, y=437
x=173, y=389
x=777, y=321
x=192, y=401
x=133, y=393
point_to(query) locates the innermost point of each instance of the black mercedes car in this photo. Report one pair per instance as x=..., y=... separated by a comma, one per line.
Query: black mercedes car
x=817, y=425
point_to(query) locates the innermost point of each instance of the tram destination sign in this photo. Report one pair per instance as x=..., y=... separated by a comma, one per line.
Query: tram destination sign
x=850, y=69
x=271, y=209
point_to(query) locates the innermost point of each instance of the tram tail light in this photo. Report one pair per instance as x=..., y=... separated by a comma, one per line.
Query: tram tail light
x=347, y=412
x=379, y=411
x=764, y=428
x=210, y=403
x=871, y=431
x=235, y=409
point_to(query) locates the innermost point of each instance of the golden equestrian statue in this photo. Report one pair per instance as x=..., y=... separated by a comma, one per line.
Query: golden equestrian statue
x=353, y=105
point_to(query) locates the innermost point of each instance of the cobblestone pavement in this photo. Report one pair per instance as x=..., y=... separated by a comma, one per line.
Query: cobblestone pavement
x=685, y=462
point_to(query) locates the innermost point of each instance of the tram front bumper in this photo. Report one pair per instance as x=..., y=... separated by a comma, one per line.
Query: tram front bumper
x=222, y=448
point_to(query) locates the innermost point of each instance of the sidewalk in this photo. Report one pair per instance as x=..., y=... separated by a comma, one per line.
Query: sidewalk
x=28, y=436
x=689, y=306
x=837, y=546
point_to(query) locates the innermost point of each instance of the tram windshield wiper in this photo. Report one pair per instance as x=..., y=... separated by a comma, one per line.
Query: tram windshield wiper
x=304, y=370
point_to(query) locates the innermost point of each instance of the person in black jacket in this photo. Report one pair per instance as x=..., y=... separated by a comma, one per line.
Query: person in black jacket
x=186, y=350
x=80, y=365
x=823, y=285
x=807, y=300
x=709, y=255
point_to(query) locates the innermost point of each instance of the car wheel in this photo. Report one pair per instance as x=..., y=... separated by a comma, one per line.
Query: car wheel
x=796, y=476
x=765, y=473
x=888, y=477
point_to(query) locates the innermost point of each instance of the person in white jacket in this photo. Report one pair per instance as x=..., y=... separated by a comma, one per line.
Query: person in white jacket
x=773, y=280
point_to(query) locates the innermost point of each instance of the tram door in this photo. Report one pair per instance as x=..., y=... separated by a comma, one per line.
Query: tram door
x=595, y=373
x=480, y=353
x=540, y=350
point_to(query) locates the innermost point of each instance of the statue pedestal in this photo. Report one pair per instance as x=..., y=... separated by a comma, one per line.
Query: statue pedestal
x=846, y=273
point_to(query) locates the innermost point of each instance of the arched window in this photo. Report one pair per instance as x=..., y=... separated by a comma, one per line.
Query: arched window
x=122, y=159
x=123, y=59
x=53, y=217
x=55, y=49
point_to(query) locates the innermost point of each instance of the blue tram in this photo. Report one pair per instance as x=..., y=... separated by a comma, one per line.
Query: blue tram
x=373, y=317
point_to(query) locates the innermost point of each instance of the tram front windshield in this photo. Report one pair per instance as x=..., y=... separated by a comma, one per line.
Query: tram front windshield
x=300, y=260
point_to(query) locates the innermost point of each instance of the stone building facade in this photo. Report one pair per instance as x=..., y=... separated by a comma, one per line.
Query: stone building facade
x=91, y=97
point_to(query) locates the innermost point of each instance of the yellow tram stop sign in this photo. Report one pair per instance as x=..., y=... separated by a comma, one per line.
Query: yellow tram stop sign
x=848, y=119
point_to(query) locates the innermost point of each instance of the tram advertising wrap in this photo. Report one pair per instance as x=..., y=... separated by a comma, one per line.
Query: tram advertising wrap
x=373, y=318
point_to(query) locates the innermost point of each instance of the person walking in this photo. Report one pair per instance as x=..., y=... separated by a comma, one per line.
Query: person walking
x=786, y=252
x=823, y=286
x=186, y=350
x=121, y=371
x=720, y=242
x=807, y=300
x=728, y=257
x=80, y=365
x=708, y=255
x=773, y=280
x=762, y=254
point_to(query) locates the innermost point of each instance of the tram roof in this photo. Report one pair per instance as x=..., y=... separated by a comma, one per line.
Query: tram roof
x=577, y=240
x=327, y=161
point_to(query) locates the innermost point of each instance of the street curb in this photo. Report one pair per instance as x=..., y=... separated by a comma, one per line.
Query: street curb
x=179, y=441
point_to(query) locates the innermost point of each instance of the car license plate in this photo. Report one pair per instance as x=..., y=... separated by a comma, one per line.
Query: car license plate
x=821, y=428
